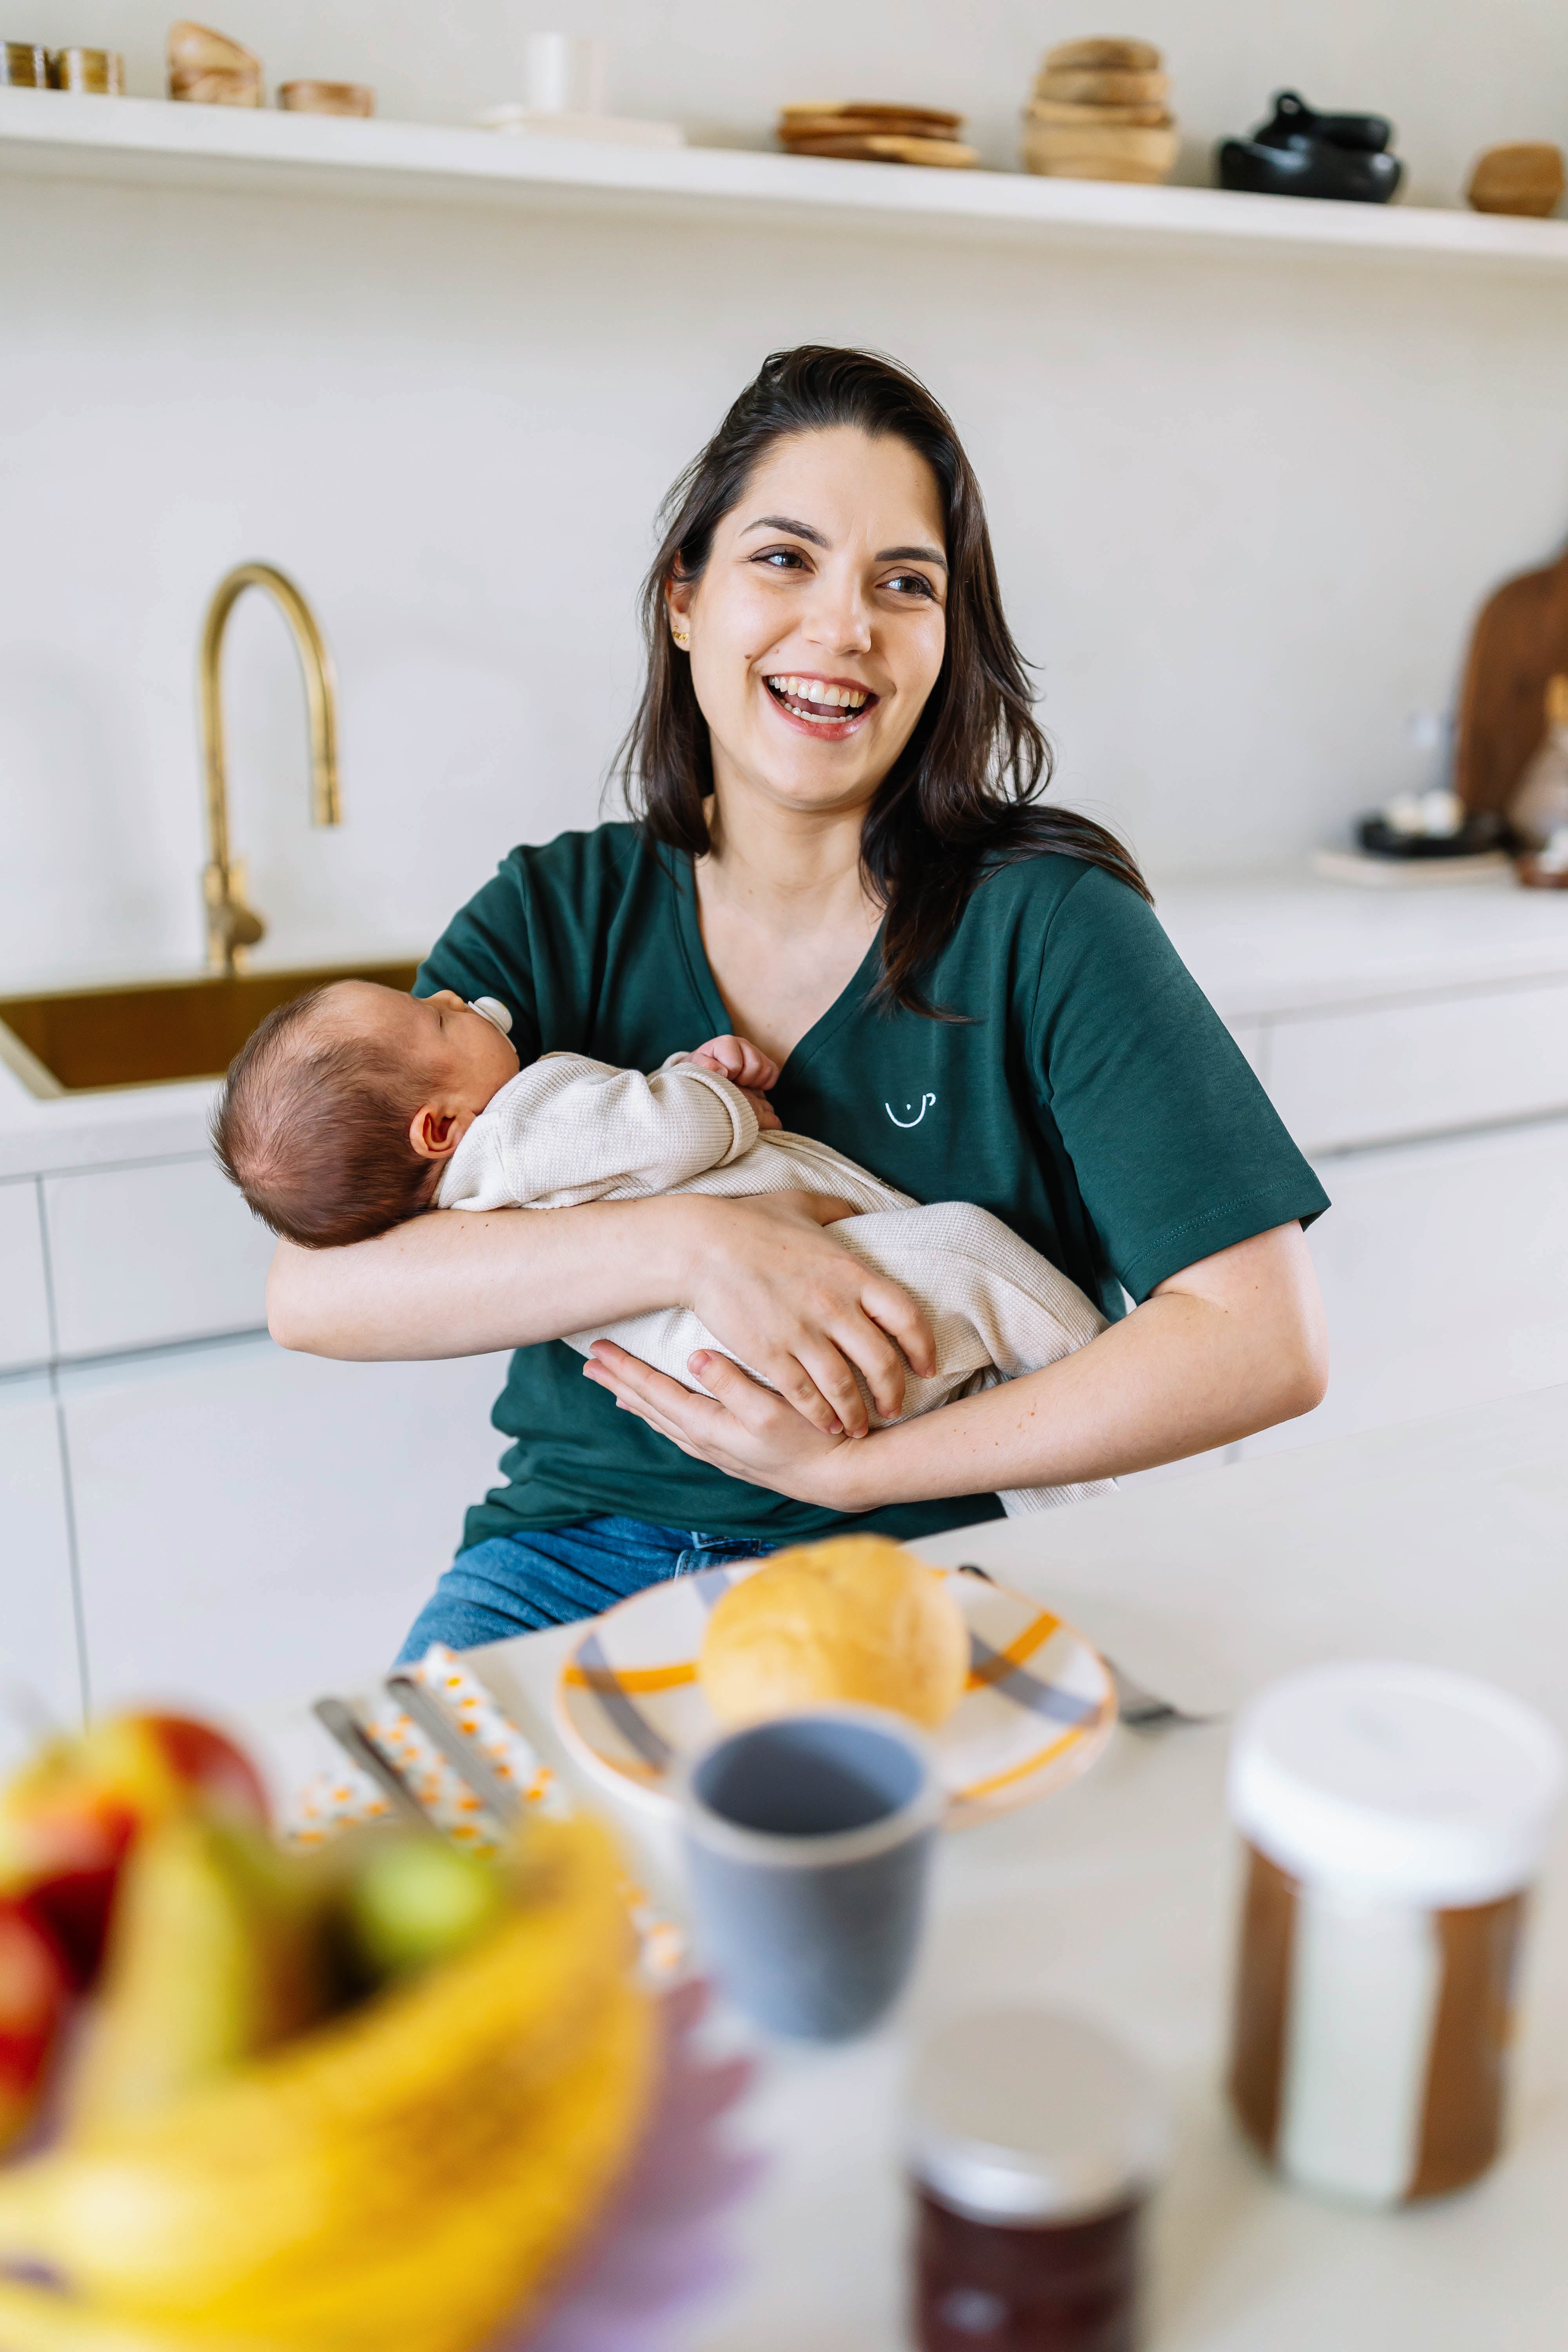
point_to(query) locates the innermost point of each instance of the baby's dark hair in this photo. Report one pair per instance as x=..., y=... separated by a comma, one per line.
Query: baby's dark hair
x=313, y=1128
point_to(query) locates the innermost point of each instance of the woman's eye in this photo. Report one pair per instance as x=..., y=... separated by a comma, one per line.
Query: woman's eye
x=914, y=584
x=781, y=559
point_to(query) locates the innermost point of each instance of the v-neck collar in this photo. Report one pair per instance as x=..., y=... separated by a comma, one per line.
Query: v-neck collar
x=850, y=998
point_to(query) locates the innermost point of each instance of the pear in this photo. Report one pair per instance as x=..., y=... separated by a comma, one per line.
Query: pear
x=215, y=1954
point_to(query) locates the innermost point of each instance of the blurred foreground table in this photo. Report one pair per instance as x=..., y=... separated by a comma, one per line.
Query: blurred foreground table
x=1445, y=1542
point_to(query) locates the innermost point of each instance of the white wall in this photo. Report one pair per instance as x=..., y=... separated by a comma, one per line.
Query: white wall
x=1245, y=507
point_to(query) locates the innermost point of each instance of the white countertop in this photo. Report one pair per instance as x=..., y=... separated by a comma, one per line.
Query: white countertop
x=1263, y=946
x=1444, y=1542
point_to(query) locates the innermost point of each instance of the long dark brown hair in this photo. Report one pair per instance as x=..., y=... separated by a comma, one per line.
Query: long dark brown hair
x=962, y=797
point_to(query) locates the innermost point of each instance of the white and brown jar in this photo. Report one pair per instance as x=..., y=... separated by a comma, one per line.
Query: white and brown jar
x=1395, y=1817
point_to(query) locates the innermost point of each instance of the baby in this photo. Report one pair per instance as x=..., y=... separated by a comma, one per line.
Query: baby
x=355, y=1108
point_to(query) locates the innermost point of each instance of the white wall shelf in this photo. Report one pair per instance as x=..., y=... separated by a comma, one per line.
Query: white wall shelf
x=50, y=133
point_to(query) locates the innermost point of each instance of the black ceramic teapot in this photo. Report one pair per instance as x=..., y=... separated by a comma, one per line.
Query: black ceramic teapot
x=1299, y=153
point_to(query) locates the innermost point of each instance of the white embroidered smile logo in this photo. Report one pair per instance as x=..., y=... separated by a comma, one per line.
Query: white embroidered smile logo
x=926, y=1102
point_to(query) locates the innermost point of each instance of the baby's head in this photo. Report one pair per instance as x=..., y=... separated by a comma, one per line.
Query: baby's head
x=338, y=1115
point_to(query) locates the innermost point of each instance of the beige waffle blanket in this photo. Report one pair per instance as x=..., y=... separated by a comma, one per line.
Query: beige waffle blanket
x=567, y=1130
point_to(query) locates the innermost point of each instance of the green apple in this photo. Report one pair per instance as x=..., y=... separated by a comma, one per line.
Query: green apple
x=414, y=1899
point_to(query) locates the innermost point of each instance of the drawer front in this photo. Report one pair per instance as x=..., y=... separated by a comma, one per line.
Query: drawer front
x=1372, y=1075
x=143, y=1256
x=24, y=1288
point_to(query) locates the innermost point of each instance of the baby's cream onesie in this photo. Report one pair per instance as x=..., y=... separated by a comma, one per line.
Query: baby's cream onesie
x=566, y=1130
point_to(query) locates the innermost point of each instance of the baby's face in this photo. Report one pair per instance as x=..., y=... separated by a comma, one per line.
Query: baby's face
x=463, y=1058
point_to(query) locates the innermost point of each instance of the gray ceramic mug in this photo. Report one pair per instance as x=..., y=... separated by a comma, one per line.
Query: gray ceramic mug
x=808, y=1844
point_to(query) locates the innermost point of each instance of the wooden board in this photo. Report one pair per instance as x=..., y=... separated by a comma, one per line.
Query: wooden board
x=1520, y=640
x=950, y=154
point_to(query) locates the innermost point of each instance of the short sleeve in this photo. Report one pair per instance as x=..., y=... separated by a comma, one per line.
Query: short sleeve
x=487, y=950
x=1177, y=1150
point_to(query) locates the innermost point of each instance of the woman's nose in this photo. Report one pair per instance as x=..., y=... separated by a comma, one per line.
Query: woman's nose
x=839, y=616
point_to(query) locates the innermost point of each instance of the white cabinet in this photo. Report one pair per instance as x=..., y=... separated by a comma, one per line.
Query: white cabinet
x=1445, y=1273
x=40, y=1677
x=253, y=1525
x=23, y=1285
x=148, y=1255
x=1372, y=1073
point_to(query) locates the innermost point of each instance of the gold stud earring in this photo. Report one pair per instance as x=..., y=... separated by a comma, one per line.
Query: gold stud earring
x=682, y=636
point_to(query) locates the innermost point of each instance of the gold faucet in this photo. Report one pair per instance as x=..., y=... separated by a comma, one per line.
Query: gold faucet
x=233, y=927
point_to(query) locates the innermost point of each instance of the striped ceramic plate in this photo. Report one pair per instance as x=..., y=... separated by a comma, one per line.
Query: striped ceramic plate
x=1039, y=1709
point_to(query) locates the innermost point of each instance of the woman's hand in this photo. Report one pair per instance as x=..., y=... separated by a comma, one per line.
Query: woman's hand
x=739, y=1427
x=767, y=1281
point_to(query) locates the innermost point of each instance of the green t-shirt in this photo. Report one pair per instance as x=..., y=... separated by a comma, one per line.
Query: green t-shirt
x=1090, y=1098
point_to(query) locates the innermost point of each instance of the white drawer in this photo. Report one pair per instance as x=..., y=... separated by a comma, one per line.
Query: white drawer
x=143, y=1256
x=23, y=1289
x=1384, y=1071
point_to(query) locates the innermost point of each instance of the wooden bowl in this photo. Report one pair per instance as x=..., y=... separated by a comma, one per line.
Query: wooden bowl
x=1153, y=115
x=1116, y=152
x=1103, y=57
x=326, y=98
x=1528, y=179
x=1103, y=88
x=207, y=69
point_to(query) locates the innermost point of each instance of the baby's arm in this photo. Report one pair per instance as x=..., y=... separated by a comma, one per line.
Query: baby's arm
x=568, y=1130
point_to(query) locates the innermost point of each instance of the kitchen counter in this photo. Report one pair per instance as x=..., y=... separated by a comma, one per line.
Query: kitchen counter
x=1263, y=946
x=1443, y=1542
x=1267, y=945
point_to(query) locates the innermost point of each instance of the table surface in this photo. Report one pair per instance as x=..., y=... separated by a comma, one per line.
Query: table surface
x=1445, y=1542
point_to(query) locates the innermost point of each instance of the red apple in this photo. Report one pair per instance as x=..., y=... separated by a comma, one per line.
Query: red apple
x=68, y=1818
x=35, y=1988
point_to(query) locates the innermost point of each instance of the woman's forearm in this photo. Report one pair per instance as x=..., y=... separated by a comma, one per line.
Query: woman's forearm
x=464, y=1283
x=1229, y=1347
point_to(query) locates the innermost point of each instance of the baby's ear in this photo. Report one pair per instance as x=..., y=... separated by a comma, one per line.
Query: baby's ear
x=434, y=1133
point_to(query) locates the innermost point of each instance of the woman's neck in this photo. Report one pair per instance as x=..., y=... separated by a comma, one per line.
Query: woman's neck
x=785, y=916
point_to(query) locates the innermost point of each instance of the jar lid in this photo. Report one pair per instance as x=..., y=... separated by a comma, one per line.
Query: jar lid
x=1405, y=1782
x=1024, y=2115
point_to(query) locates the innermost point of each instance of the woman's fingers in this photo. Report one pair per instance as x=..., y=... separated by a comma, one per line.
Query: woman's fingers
x=897, y=1314
x=678, y=1412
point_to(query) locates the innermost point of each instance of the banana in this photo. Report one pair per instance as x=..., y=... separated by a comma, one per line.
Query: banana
x=238, y=1915
x=32, y=2319
x=407, y=2172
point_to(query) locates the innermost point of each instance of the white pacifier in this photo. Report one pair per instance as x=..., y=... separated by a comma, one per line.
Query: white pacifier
x=494, y=1011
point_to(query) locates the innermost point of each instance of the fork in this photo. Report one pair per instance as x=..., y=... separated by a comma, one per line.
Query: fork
x=1139, y=1709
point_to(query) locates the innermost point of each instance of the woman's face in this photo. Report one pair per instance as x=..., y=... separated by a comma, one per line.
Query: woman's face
x=818, y=625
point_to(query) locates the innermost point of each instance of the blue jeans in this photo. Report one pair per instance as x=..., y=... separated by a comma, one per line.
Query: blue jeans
x=518, y=1584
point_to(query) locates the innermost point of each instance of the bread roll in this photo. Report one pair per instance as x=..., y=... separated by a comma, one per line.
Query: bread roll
x=854, y=1620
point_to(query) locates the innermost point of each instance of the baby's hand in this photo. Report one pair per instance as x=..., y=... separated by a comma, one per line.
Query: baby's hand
x=737, y=1059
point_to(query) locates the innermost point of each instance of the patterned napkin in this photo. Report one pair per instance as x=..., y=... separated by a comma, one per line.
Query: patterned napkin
x=332, y=1801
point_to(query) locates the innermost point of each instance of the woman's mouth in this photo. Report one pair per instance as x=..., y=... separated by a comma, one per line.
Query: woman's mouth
x=834, y=706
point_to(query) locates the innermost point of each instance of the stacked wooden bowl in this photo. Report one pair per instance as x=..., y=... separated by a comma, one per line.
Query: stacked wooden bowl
x=869, y=133
x=207, y=69
x=1099, y=112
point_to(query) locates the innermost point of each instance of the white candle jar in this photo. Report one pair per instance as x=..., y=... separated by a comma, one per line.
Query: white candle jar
x=1395, y=1817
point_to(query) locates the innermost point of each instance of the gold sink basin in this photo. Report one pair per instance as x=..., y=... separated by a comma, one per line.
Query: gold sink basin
x=151, y=1033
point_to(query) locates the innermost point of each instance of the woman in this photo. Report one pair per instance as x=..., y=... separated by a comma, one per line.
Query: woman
x=840, y=856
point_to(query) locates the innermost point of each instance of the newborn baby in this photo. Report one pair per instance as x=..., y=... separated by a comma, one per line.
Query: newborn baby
x=356, y=1107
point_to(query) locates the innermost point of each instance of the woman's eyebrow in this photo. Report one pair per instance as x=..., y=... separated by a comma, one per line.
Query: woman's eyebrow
x=912, y=555
x=786, y=522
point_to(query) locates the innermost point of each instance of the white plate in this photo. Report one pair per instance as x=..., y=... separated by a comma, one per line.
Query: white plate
x=1039, y=1709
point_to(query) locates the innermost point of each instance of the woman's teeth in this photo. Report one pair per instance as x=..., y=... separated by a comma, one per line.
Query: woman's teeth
x=810, y=697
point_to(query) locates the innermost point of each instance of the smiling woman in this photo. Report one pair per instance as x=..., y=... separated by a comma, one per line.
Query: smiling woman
x=840, y=853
